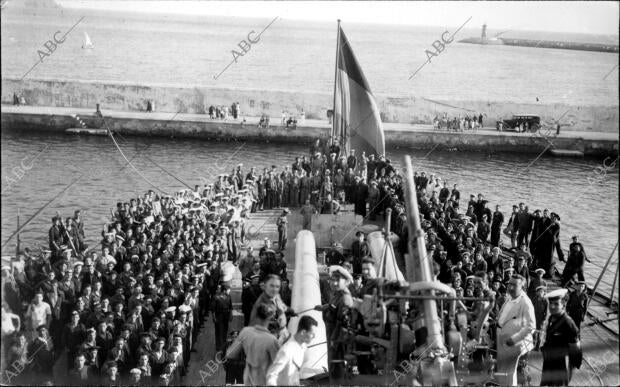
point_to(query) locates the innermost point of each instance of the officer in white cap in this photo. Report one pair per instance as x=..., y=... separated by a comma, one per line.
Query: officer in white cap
x=560, y=336
x=337, y=317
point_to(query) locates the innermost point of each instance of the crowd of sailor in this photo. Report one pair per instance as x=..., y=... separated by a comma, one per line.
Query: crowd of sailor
x=129, y=310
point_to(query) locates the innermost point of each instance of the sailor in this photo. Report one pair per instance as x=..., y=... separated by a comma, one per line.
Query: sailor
x=373, y=199
x=560, y=334
x=338, y=319
x=250, y=293
x=535, y=282
x=41, y=355
x=541, y=306
x=282, y=224
x=81, y=373
x=330, y=206
x=369, y=274
x=335, y=255
x=222, y=315
x=515, y=323
x=576, y=261
x=522, y=269
x=55, y=237
x=135, y=378
x=306, y=212
x=577, y=302
x=359, y=249
x=89, y=342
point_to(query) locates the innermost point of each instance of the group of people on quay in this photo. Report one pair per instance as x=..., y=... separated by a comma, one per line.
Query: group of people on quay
x=223, y=112
x=128, y=310
x=458, y=123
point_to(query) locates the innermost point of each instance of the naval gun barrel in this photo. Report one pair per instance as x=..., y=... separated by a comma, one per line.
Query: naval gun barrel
x=419, y=267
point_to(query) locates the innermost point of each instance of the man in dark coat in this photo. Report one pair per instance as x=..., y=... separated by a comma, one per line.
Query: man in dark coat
x=352, y=160
x=373, y=199
x=361, y=194
x=56, y=238
x=577, y=302
x=41, y=351
x=359, y=249
x=544, y=248
x=496, y=226
x=222, y=315
x=555, y=231
x=575, y=263
x=483, y=229
x=524, y=225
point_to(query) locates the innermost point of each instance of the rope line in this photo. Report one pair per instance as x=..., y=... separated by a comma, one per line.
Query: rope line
x=129, y=162
x=168, y=172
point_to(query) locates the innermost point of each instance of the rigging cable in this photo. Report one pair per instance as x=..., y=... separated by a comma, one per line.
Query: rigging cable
x=129, y=162
x=162, y=168
x=169, y=173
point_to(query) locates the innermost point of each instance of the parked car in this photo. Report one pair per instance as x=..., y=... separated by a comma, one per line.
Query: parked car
x=520, y=123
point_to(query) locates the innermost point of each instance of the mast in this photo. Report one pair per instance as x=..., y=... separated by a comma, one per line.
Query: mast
x=334, y=134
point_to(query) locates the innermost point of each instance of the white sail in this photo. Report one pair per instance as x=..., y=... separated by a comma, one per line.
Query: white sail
x=87, y=42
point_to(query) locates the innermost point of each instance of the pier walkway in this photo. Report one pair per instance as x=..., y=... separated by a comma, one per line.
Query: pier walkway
x=275, y=122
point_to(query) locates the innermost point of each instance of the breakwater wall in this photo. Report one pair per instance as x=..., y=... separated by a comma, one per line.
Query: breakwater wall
x=57, y=120
x=170, y=98
x=556, y=44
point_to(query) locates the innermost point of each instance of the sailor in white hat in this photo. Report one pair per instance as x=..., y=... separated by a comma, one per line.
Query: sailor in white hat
x=560, y=332
x=535, y=281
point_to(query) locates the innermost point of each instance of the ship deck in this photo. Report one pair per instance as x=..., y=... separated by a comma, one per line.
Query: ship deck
x=600, y=342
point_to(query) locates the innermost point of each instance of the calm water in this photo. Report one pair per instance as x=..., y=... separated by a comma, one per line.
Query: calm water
x=299, y=56
x=562, y=186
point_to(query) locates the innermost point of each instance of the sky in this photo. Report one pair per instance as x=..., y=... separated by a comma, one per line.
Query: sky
x=562, y=16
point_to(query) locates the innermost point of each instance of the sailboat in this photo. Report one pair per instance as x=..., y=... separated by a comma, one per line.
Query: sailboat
x=87, y=42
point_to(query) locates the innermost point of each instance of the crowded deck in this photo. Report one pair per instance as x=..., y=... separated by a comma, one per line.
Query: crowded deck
x=174, y=272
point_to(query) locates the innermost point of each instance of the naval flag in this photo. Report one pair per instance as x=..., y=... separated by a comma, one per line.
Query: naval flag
x=356, y=116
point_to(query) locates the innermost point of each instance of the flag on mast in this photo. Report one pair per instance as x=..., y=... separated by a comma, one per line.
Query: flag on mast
x=357, y=122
